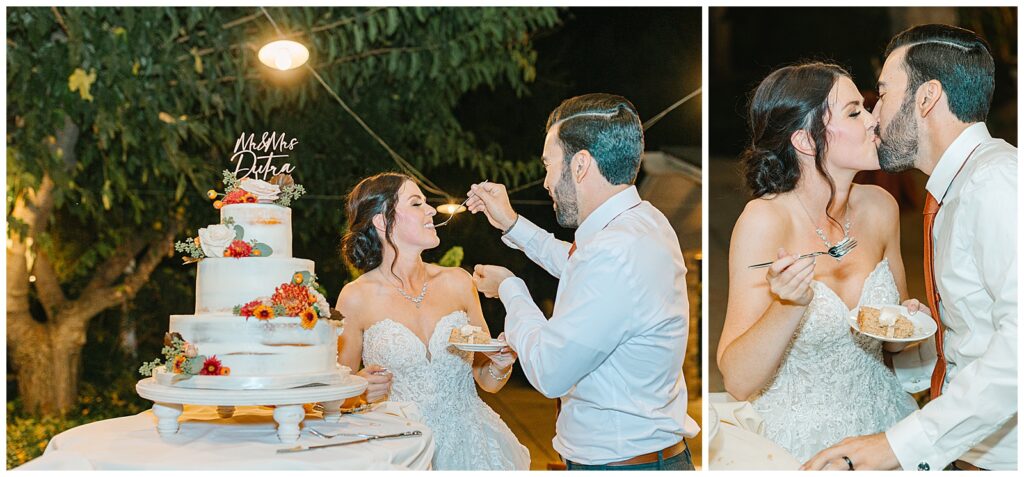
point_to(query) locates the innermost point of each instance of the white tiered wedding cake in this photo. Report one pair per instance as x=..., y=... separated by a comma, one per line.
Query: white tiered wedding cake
x=260, y=321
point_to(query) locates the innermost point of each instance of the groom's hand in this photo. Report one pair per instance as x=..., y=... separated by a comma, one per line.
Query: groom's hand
x=488, y=278
x=864, y=452
x=492, y=200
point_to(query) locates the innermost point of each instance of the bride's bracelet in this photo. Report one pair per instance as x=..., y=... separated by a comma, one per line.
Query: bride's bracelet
x=490, y=370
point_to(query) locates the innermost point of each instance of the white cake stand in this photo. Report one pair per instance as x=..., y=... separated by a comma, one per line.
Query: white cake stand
x=168, y=402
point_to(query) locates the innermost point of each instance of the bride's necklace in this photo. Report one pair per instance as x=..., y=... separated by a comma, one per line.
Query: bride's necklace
x=418, y=299
x=820, y=232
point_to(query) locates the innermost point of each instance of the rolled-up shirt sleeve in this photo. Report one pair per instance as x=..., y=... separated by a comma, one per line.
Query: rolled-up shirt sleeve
x=591, y=322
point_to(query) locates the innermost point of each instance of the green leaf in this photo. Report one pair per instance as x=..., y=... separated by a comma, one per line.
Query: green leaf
x=239, y=232
x=263, y=249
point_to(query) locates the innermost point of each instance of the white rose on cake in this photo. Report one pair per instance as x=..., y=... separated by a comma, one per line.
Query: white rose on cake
x=264, y=191
x=322, y=307
x=215, y=238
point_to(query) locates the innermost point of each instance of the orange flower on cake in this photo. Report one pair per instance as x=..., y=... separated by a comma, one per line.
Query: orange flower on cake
x=179, y=364
x=211, y=367
x=294, y=298
x=263, y=312
x=308, y=318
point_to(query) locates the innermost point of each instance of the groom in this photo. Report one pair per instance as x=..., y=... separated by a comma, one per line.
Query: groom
x=613, y=349
x=935, y=89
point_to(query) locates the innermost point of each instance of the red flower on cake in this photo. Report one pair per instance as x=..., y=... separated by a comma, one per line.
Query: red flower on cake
x=211, y=367
x=308, y=318
x=249, y=198
x=294, y=298
x=238, y=249
x=263, y=312
x=236, y=196
x=249, y=309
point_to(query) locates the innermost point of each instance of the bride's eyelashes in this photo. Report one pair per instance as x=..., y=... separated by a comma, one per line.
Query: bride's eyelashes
x=855, y=114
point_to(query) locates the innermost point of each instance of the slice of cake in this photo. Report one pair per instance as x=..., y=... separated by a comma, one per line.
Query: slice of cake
x=887, y=321
x=469, y=334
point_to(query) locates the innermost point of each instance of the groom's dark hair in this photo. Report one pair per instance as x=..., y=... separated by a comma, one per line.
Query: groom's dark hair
x=607, y=126
x=957, y=58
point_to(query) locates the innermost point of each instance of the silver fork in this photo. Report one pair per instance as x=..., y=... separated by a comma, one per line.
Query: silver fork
x=836, y=251
x=450, y=217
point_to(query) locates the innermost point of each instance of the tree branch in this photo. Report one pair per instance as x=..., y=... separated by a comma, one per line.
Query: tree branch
x=60, y=20
x=93, y=301
x=116, y=264
x=48, y=284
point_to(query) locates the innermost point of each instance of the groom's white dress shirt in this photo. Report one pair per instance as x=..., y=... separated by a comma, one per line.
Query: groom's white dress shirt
x=613, y=349
x=975, y=236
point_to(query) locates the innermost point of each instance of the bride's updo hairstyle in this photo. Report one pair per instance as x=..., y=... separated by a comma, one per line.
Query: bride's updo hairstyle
x=362, y=246
x=788, y=100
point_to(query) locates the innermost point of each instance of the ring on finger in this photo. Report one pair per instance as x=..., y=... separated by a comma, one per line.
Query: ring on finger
x=849, y=463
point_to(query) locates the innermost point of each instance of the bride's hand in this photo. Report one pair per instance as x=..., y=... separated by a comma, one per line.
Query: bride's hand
x=790, y=279
x=915, y=306
x=503, y=358
x=379, y=382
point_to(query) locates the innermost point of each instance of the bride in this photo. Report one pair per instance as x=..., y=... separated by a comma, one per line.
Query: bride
x=398, y=317
x=786, y=345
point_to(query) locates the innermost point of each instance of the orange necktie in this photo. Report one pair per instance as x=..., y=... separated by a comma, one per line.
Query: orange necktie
x=572, y=249
x=931, y=207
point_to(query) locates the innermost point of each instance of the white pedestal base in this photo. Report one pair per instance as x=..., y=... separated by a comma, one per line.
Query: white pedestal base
x=288, y=412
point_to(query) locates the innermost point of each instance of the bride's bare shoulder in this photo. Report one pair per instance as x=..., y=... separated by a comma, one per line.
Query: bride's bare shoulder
x=356, y=296
x=872, y=201
x=454, y=276
x=767, y=216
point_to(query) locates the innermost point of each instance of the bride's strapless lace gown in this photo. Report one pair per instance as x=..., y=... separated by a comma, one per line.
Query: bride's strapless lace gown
x=832, y=383
x=468, y=435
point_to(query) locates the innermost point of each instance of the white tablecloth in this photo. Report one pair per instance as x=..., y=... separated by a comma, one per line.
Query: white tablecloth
x=247, y=440
x=737, y=441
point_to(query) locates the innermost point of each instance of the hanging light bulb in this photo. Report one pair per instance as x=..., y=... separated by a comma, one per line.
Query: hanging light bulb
x=284, y=54
x=450, y=209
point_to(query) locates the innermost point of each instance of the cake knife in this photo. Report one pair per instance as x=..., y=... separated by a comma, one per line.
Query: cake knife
x=302, y=448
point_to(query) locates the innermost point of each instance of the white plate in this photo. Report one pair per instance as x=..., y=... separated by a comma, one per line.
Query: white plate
x=924, y=325
x=494, y=345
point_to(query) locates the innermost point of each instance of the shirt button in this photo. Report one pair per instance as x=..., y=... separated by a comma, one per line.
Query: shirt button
x=923, y=466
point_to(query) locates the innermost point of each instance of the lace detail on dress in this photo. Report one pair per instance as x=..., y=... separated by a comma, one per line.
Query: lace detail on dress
x=832, y=382
x=468, y=435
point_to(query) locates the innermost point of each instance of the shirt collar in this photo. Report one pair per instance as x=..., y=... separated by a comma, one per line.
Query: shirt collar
x=953, y=158
x=603, y=214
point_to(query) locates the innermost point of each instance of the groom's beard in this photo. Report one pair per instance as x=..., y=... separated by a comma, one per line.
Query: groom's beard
x=897, y=148
x=566, y=211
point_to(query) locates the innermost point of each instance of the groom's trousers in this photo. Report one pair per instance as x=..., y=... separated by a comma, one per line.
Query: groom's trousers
x=681, y=461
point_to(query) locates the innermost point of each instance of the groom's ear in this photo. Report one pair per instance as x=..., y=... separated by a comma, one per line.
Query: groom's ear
x=580, y=164
x=928, y=96
x=802, y=142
